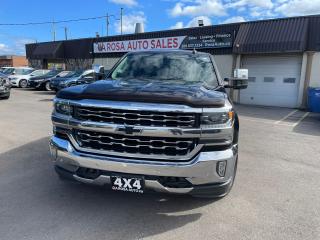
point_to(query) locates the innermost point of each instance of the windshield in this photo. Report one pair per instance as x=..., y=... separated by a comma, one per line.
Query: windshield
x=77, y=73
x=37, y=73
x=63, y=73
x=51, y=74
x=23, y=71
x=2, y=75
x=8, y=71
x=71, y=74
x=186, y=67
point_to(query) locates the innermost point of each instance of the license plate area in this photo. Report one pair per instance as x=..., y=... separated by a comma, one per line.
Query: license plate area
x=132, y=184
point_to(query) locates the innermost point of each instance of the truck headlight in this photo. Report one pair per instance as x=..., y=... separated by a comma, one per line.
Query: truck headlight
x=63, y=108
x=217, y=118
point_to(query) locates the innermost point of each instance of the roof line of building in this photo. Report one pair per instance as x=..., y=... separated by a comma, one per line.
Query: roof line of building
x=186, y=29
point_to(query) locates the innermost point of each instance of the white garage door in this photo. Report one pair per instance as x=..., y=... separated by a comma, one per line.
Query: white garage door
x=273, y=80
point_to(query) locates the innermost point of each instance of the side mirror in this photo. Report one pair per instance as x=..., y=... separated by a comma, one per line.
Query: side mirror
x=98, y=69
x=239, y=81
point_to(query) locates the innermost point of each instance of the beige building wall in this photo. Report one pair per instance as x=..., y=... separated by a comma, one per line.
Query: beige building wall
x=108, y=63
x=315, y=71
x=224, y=63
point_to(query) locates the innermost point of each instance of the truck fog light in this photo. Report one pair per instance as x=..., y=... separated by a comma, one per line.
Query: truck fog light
x=221, y=168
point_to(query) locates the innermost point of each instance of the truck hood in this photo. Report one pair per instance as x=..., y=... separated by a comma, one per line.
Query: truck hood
x=194, y=95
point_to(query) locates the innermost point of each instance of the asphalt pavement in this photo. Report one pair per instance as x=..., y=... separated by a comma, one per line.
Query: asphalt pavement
x=275, y=196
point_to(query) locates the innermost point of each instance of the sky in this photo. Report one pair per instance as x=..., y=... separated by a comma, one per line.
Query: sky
x=154, y=14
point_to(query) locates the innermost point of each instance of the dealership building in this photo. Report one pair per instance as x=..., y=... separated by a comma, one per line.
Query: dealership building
x=282, y=55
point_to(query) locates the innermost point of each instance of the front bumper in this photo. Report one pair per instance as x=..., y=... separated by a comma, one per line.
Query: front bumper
x=4, y=91
x=56, y=86
x=14, y=83
x=33, y=84
x=200, y=172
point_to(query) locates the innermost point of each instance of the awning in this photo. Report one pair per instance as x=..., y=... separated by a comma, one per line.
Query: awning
x=49, y=50
x=280, y=35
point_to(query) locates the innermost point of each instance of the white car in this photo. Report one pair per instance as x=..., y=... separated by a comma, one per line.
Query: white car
x=22, y=75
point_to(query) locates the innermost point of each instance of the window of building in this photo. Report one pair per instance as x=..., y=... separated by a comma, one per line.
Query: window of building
x=289, y=80
x=251, y=79
x=268, y=79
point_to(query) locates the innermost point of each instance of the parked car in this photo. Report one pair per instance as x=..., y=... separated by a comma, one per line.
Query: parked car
x=162, y=120
x=17, y=70
x=5, y=86
x=21, y=80
x=2, y=69
x=79, y=77
x=43, y=82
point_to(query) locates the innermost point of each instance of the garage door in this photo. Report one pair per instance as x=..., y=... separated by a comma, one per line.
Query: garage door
x=273, y=80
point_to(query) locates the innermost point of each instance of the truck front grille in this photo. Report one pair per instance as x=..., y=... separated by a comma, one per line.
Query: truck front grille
x=140, y=118
x=134, y=144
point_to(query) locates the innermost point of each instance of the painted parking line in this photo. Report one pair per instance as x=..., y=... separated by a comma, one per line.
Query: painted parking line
x=287, y=116
x=256, y=120
x=285, y=121
x=301, y=119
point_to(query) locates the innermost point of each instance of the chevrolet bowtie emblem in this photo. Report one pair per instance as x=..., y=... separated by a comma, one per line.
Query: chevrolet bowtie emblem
x=129, y=130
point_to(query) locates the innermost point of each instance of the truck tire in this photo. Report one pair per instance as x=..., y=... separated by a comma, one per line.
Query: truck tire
x=23, y=83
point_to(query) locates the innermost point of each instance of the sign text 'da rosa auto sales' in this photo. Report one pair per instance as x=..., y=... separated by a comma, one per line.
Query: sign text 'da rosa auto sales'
x=139, y=45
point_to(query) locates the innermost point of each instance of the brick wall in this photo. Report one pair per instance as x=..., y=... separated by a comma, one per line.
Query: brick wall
x=19, y=61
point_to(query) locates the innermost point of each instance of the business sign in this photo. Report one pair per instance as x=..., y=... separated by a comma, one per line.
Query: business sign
x=138, y=45
x=166, y=43
x=218, y=40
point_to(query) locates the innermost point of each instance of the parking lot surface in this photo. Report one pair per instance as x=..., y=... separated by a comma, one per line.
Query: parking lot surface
x=275, y=196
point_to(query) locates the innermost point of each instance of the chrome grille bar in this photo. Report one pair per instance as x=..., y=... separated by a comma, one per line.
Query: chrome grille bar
x=134, y=144
x=141, y=118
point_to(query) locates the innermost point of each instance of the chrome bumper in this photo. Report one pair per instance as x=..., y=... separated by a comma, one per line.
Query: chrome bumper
x=201, y=170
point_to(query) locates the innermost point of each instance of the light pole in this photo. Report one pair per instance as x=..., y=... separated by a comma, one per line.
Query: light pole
x=53, y=30
x=66, y=33
x=121, y=14
x=108, y=22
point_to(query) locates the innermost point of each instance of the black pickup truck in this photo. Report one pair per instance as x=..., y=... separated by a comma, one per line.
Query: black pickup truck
x=161, y=121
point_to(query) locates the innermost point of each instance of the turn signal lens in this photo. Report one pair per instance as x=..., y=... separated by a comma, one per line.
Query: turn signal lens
x=231, y=114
